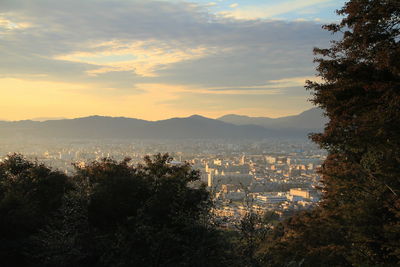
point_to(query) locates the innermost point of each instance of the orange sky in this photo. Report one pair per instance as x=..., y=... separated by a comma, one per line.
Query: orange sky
x=156, y=60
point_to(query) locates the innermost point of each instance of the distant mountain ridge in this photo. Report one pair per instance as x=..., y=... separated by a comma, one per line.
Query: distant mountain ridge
x=48, y=118
x=309, y=119
x=196, y=127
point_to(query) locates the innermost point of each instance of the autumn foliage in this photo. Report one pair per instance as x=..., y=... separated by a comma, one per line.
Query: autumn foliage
x=358, y=221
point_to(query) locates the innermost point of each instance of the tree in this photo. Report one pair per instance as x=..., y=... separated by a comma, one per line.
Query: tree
x=305, y=239
x=124, y=215
x=360, y=94
x=30, y=193
x=67, y=239
x=358, y=221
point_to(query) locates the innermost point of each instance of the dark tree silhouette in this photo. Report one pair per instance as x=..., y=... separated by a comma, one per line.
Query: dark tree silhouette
x=360, y=93
x=124, y=215
x=30, y=193
x=358, y=221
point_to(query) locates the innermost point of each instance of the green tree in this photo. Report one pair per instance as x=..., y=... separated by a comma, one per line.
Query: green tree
x=305, y=239
x=67, y=240
x=151, y=214
x=30, y=193
x=358, y=221
x=360, y=93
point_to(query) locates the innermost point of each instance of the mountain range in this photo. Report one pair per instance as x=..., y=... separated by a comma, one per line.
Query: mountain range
x=309, y=119
x=195, y=127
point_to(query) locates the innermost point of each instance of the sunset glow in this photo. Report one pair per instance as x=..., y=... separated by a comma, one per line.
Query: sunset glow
x=154, y=60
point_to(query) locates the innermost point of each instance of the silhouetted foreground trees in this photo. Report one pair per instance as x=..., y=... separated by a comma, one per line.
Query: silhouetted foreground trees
x=114, y=214
x=358, y=221
x=108, y=214
x=30, y=194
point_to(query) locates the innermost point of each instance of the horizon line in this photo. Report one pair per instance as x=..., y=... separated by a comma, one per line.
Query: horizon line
x=44, y=119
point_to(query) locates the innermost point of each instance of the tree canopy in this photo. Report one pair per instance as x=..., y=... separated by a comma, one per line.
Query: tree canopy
x=358, y=220
x=108, y=214
x=360, y=93
x=153, y=214
x=29, y=194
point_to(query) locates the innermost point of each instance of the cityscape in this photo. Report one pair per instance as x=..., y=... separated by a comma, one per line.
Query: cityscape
x=261, y=175
x=201, y=133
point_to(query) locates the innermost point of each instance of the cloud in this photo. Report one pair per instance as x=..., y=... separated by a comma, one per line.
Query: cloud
x=9, y=25
x=142, y=57
x=269, y=10
x=272, y=87
x=210, y=4
x=173, y=50
x=153, y=39
x=234, y=5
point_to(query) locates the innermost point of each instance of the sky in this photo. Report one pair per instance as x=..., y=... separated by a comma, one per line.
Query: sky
x=159, y=59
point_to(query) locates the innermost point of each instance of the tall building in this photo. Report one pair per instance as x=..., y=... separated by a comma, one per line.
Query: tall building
x=242, y=160
x=210, y=181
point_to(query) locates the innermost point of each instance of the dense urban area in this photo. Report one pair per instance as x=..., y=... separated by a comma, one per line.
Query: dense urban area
x=235, y=191
x=263, y=176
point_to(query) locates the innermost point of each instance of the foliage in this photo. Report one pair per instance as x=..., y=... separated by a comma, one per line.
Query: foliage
x=29, y=194
x=357, y=223
x=115, y=214
x=124, y=215
x=252, y=231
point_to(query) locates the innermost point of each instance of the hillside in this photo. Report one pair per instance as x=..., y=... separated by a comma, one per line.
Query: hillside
x=309, y=119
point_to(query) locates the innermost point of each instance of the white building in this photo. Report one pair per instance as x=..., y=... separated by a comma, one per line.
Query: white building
x=269, y=198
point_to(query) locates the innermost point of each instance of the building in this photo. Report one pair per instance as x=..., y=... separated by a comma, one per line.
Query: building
x=299, y=192
x=269, y=198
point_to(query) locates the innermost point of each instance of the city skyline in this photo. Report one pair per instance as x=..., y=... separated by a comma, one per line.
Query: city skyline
x=159, y=59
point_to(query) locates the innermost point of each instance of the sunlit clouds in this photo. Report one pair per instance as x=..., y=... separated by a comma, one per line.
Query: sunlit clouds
x=156, y=59
x=8, y=25
x=272, y=9
x=141, y=57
